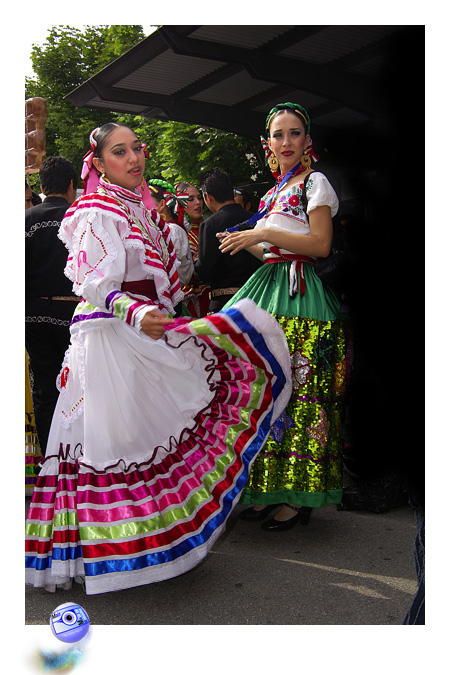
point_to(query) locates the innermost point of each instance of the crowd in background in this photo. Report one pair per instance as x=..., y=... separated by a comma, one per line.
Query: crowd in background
x=213, y=275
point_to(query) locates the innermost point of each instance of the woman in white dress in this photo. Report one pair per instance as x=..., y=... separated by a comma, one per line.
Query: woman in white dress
x=158, y=420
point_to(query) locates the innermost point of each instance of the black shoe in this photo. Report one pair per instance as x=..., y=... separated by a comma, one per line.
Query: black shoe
x=252, y=515
x=302, y=516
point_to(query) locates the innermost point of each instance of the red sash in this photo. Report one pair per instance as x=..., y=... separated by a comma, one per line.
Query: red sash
x=296, y=267
x=142, y=287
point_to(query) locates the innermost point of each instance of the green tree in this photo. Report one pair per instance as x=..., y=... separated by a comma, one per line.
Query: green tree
x=67, y=59
x=177, y=151
x=184, y=152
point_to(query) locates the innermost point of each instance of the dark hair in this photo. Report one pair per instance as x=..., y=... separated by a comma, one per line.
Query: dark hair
x=181, y=187
x=245, y=195
x=56, y=175
x=156, y=191
x=101, y=136
x=289, y=110
x=35, y=199
x=295, y=108
x=218, y=184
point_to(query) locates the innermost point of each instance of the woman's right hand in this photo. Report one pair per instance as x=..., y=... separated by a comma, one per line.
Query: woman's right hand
x=233, y=242
x=153, y=323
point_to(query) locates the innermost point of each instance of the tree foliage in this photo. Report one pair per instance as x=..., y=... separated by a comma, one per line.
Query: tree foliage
x=184, y=152
x=68, y=58
x=177, y=151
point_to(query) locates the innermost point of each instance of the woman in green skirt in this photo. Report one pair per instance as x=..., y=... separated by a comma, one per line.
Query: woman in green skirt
x=300, y=467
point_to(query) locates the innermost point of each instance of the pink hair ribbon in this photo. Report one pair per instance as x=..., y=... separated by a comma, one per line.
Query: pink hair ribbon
x=91, y=176
x=146, y=196
x=143, y=188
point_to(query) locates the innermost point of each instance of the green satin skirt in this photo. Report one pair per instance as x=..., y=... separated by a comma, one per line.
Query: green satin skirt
x=302, y=461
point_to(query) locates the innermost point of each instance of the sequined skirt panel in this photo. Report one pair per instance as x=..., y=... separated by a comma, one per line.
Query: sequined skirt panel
x=32, y=449
x=301, y=463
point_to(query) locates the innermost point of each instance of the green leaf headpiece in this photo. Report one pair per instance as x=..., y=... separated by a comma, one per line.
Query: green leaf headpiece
x=295, y=107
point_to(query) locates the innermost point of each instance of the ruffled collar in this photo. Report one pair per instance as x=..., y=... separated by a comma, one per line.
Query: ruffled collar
x=120, y=192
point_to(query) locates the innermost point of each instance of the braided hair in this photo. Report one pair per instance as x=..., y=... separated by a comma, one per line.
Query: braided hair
x=291, y=107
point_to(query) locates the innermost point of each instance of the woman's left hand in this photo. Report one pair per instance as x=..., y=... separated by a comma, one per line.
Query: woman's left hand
x=237, y=241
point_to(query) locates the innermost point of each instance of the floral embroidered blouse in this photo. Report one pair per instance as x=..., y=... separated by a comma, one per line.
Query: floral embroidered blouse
x=287, y=213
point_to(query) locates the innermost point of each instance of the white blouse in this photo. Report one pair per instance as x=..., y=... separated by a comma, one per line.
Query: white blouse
x=287, y=213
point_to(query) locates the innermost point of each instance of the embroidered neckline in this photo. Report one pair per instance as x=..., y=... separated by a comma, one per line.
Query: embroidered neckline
x=121, y=192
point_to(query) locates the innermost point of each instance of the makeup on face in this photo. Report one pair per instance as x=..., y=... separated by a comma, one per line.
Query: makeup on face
x=194, y=205
x=123, y=159
x=287, y=140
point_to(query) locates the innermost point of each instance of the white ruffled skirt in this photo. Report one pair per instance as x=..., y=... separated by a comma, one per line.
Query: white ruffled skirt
x=151, y=445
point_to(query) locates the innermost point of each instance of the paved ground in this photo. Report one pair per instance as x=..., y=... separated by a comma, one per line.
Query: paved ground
x=344, y=568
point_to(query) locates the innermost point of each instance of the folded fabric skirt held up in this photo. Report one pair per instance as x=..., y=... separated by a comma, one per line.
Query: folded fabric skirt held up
x=151, y=446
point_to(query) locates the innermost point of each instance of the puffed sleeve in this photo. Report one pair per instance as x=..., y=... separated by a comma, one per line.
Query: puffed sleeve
x=183, y=253
x=97, y=261
x=319, y=192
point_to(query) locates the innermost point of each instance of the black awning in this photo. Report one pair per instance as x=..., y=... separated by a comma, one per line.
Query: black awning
x=228, y=77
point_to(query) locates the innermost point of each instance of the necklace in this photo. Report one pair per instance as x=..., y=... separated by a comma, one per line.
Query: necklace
x=295, y=172
x=280, y=182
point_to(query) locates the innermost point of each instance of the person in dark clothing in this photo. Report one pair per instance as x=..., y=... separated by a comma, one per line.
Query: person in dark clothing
x=49, y=300
x=225, y=274
x=31, y=197
x=35, y=199
x=28, y=196
x=243, y=198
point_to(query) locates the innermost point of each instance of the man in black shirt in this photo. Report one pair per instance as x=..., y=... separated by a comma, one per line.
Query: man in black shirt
x=224, y=273
x=49, y=299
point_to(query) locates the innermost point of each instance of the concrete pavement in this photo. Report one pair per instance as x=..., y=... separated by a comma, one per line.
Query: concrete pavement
x=344, y=568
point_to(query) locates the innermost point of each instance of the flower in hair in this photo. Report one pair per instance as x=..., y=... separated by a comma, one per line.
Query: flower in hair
x=92, y=140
